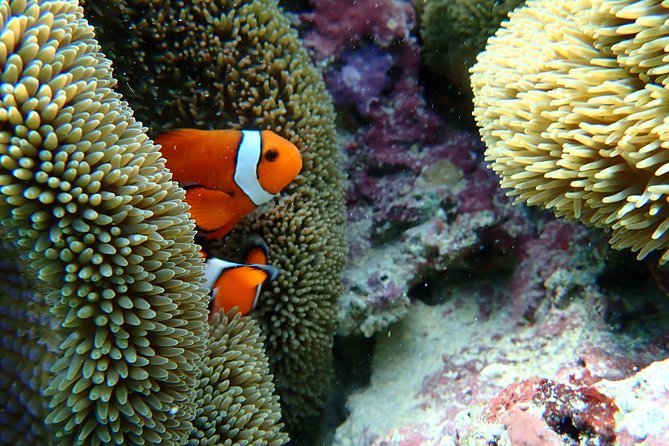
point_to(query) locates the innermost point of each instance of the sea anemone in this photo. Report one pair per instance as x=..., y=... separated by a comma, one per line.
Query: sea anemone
x=239, y=64
x=111, y=279
x=571, y=103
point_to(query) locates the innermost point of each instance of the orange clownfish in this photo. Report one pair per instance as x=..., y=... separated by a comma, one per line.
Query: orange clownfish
x=228, y=173
x=238, y=284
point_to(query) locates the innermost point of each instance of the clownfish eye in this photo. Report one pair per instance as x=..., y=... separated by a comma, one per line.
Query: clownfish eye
x=271, y=155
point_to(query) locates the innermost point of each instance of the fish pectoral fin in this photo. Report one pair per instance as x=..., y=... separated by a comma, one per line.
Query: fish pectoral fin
x=222, y=232
x=211, y=209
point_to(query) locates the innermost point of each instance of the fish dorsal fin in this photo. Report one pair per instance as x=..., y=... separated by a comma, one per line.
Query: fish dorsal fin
x=173, y=139
x=187, y=142
x=211, y=209
x=257, y=254
x=272, y=271
x=202, y=157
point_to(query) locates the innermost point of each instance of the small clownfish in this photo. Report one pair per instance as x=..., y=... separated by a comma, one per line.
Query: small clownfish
x=238, y=284
x=228, y=173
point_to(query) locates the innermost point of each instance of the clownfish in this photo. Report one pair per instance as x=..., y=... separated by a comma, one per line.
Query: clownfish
x=228, y=173
x=238, y=284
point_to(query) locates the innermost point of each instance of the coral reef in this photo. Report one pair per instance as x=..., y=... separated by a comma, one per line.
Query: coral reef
x=372, y=62
x=363, y=75
x=629, y=411
x=103, y=243
x=337, y=25
x=570, y=104
x=240, y=65
x=416, y=217
x=462, y=293
x=548, y=266
x=419, y=198
x=236, y=402
x=581, y=413
x=444, y=366
x=642, y=417
x=455, y=31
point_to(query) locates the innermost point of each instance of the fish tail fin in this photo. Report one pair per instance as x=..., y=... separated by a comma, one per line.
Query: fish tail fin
x=257, y=254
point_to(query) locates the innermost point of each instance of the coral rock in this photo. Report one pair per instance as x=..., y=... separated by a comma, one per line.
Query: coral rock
x=341, y=24
x=441, y=365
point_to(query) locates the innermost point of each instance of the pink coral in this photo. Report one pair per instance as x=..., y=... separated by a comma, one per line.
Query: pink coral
x=527, y=428
x=361, y=78
x=341, y=24
x=577, y=412
x=404, y=121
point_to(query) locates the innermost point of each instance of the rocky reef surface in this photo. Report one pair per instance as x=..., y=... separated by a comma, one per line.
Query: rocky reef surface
x=467, y=320
x=420, y=199
x=558, y=360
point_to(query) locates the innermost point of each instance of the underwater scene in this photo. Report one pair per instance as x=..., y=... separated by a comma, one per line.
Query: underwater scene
x=334, y=222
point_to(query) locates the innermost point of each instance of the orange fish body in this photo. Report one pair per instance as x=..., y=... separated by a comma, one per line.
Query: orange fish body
x=238, y=284
x=228, y=173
